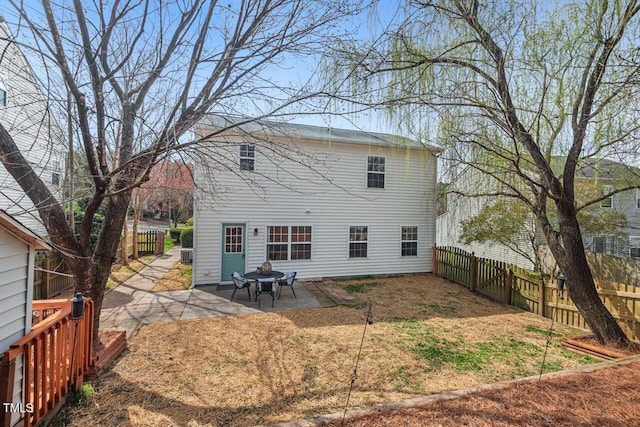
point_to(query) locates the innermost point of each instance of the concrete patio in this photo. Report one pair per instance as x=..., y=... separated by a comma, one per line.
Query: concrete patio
x=132, y=304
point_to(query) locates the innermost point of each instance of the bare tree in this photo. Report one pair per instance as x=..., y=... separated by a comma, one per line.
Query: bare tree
x=152, y=68
x=506, y=86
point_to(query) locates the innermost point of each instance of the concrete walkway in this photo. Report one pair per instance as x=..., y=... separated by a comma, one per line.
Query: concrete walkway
x=132, y=304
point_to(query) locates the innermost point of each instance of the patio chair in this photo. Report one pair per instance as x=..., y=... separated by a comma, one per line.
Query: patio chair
x=266, y=286
x=240, y=283
x=289, y=278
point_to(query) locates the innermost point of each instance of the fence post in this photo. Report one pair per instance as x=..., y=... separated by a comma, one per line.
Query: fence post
x=473, y=275
x=542, y=298
x=507, y=286
x=160, y=243
x=434, y=261
x=46, y=277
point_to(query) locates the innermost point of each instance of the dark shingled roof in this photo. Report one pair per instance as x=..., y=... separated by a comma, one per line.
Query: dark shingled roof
x=316, y=133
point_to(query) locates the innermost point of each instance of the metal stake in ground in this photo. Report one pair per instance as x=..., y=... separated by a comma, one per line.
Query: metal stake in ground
x=368, y=320
x=560, y=288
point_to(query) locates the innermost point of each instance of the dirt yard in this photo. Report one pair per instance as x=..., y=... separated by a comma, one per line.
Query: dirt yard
x=427, y=336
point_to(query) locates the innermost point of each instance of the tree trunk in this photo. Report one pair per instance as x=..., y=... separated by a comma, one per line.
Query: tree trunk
x=581, y=286
x=137, y=207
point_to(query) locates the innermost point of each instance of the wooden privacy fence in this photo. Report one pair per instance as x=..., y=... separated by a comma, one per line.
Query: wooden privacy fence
x=51, y=276
x=149, y=242
x=37, y=370
x=523, y=288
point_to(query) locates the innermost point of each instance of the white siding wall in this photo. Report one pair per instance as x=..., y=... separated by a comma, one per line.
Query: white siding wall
x=27, y=119
x=292, y=194
x=14, y=258
x=15, y=301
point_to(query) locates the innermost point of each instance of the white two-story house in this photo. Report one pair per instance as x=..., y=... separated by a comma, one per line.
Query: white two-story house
x=319, y=201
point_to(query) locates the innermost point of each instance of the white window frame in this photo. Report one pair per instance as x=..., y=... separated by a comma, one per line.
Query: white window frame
x=607, y=189
x=402, y=241
x=289, y=243
x=249, y=158
x=377, y=172
x=3, y=95
x=637, y=198
x=366, y=241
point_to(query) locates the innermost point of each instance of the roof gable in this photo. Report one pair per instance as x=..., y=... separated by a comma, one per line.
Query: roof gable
x=22, y=233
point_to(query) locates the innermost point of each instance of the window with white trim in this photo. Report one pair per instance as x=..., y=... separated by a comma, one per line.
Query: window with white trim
x=288, y=242
x=247, y=157
x=358, y=241
x=410, y=241
x=608, y=202
x=3, y=97
x=637, y=198
x=375, y=172
x=55, y=175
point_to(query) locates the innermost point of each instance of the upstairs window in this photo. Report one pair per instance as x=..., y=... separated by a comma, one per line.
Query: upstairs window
x=409, y=241
x=608, y=202
x=55, y=175
x=375, y=172
x=638, y=198
x=358, y=241
x=3, y=96
x=247, y=157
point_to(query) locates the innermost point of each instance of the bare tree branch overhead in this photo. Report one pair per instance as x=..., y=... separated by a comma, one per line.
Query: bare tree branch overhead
x=523, y=93
x=139, y=76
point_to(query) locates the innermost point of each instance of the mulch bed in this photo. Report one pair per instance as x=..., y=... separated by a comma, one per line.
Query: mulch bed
x=606, y=397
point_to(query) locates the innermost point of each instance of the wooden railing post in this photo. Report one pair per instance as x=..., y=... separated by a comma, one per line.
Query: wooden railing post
x=7, y=375
x=473, y=276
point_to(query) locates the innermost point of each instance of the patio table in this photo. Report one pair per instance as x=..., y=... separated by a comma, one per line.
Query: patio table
x=264, y=278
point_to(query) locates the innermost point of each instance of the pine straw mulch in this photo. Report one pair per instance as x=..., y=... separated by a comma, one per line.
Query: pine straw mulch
x=275, y=367
x=606, y=397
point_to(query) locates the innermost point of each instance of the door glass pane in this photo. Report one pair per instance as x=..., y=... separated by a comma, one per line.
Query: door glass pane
x=233, y=240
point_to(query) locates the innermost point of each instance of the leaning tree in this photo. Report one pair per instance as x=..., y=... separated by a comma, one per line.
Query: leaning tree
x=507, y=87
x=138, y=75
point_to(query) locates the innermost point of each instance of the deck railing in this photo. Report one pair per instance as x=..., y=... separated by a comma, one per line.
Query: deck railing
x=49, y=360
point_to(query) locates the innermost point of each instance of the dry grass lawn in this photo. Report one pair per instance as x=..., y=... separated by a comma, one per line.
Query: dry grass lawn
x=428, y=336
x=177, y=279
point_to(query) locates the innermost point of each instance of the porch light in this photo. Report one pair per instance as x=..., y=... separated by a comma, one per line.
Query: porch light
x=77, y=306
x=561, y=280
x=255, y=231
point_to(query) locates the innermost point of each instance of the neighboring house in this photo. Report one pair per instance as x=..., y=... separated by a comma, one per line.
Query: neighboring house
x=25, y=114
x=458, y=208
x=17, y=257
x=323, y=202
x=599, y=175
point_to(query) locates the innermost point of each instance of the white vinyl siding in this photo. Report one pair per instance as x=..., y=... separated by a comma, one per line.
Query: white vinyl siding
x=16, y=282
x=329, y=197
x=27, y=119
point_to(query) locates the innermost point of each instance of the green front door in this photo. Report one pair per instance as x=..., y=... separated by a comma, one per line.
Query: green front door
x=233, y=250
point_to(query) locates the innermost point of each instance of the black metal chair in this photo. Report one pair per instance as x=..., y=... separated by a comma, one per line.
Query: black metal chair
x=265, y=286
x=240, y=283
x=288, y=280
